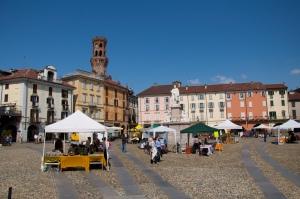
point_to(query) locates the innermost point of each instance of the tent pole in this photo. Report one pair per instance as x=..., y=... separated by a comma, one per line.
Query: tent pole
x=278, y=132
x=44, y=146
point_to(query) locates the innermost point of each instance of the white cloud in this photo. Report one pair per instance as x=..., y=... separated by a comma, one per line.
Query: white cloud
x=244, y=76
x=295, y=71
x=223, y=79
x=194, y=81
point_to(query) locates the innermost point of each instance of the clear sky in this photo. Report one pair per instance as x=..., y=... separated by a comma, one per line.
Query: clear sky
x=195, y=41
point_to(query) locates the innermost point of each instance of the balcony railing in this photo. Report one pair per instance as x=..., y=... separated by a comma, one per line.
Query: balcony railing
x=10, y=110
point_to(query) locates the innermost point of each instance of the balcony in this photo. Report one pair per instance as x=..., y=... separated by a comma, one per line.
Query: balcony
x=9, y=110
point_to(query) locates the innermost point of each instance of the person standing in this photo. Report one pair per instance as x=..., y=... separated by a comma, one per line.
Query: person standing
x=124, y=142
x=265, y=136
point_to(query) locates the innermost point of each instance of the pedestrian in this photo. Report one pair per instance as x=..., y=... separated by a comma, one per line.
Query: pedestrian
x=265, y=136
x=35, y=138
x=124, y=142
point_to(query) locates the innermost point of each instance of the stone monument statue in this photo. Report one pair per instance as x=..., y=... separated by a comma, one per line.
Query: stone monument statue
x=175, y=96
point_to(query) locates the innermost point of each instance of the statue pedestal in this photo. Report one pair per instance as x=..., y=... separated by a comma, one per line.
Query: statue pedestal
x=176, y=113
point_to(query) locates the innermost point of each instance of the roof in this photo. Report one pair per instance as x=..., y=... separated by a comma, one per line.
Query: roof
x=198, y=128
x=230, y=87
x=294, y=97
x=29, y=74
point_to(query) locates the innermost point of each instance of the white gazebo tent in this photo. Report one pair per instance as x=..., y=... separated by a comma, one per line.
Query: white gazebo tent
x=290, y=124
x=76, y=122
x=262, y=126
x=227, y=124
x=162, y=129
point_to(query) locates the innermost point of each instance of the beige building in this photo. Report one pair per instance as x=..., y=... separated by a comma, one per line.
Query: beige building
x=31, y=99
x=96, y=94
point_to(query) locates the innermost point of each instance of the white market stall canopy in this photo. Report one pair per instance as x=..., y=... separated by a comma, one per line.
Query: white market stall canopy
x=291, y=124
x=227, y=124
x=162, y=129
x=77, y=122
x=262, y=126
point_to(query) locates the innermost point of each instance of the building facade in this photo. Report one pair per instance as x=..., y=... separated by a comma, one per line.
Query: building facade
x=96, y=93
x=31, y=99
x=243, y=103
x=294, y=104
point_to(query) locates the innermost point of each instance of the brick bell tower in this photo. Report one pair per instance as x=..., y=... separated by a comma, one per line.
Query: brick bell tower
x=99, y=60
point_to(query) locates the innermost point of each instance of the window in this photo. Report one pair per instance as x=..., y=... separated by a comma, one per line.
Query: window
x=282, y=103
x=50, y=91
x=210, y=96
x=250, y=104
x=35, y=88
x=201, y=106
x=182, y=106
x=106, y=91
x=166, y=99
x=84, y=98
x=193, y=106
x=263, y=93
x=116, y=116
x=64, y=93
x=116, y=93
x=201, y=97
x=228, y=96
x=210, y=105
x=282, y=92
x=294, y=114
x=147, y=107
x=6, y=86
x=241, y=95
x=156, y=100
x=147, y=100
x=293, y=104
x=242, y=104
x=242, y=115
x=222, y=114
x=272, y=115
x=249, y=93
x=84, y=84
x=271, y=92
x=283, y=113
x=6, y=98
x=221, y=105
x=106, y=115
x=98, y=100
x=229, y=104
x=167, y=107
x=211, y=113
x=116, y=102
x=157, y=107
x=92, y=99
x=250, y=115
x=271, y=103
x=106, y=100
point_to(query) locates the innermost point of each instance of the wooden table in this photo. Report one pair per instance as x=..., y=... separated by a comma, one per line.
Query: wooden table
x=83, y=161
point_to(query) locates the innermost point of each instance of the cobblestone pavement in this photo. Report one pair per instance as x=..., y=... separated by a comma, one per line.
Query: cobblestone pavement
x=221, y=175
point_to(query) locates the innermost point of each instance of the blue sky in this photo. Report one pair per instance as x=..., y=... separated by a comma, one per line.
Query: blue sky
x=155, y=41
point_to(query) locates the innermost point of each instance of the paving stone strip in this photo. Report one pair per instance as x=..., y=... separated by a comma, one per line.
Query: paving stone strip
x=269, y=190
x=107, y=191
x=279, y=168
x=165, y=186
x=130, y=186
x=64, y=188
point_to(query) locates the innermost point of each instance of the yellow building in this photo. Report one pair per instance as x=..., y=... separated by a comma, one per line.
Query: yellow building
x=96, y=94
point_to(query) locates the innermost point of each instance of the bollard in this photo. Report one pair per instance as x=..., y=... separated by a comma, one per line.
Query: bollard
x=9, y=192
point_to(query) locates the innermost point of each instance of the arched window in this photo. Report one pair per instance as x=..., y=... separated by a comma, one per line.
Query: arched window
x=100, y=53
x=96, y=53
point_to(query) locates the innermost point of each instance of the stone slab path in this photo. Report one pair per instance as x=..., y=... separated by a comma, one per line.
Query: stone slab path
x=165, y=186
x=127, y=182
x=269, y=190
x=279, y=168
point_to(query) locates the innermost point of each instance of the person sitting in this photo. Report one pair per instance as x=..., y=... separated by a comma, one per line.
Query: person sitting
x=292, y=137
x=58, y=146
x=88, y=145
x=96, y=144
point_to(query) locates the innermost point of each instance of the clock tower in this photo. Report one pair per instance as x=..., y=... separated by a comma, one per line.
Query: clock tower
x=99, y=60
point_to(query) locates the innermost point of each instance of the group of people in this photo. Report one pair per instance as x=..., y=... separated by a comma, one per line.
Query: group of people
x=197, y=142
x=157, y=148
